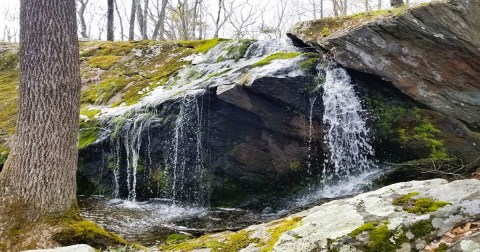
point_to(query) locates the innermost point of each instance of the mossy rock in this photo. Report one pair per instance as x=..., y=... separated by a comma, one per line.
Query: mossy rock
x=86, y=232
x=276, y=56
x=418, y=206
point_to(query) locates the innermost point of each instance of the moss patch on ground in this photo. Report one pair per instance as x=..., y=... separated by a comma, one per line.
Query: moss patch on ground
x=9, y=79
x=364, y=228
x=229, y=242
x=276, y=56
x=325, y=27
x=76, y=230
x=382, y=239
x=278, y=230
x=418, y=205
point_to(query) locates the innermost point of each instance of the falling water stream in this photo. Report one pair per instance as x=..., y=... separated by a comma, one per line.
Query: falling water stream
x=347, y=167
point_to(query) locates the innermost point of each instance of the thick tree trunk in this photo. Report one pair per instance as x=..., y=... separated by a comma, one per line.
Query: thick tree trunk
x=40, y=170
x=131, y=30
x=110, y=16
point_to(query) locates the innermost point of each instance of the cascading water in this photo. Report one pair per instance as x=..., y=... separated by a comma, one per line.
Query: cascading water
x=346, y=134
x=188, y=171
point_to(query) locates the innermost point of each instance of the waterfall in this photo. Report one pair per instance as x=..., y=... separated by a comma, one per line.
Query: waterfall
x=188, y=171
x=346, y=134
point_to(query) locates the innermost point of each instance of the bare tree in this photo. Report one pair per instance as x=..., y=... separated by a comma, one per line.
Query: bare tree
x=280, y=13
x=220, y=17
x=81, y=17
x=340, y=7
x=122, y=34
x=242, y=18
x=159, y=30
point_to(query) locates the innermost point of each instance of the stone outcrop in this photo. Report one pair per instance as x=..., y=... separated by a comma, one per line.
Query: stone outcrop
x=410, y=216
x=430, y=52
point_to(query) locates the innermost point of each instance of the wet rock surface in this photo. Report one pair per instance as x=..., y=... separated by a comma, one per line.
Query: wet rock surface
x=405, y=216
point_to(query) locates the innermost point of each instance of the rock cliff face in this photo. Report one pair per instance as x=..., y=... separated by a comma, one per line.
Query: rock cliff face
x=431, y=52
x=410, y=216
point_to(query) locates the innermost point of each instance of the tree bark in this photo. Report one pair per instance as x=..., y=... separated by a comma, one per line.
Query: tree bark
x=159, y=30
x=131, y=30
x=396, y=3
x=40, y=170
x=110, y=17
x=81, y=17
x=122, y=34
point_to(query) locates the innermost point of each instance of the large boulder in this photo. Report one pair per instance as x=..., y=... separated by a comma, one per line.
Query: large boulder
x=430, y=52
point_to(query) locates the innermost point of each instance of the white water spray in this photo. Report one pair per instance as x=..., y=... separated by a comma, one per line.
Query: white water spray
x=346, y=133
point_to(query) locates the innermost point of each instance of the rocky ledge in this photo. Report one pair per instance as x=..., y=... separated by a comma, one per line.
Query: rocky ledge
x=430, y=52
x=432, y=215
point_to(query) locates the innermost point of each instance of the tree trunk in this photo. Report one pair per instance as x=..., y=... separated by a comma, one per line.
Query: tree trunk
x=159, y=30
x=122, y=34
x=81, y=17
x=217, y=20
x=131, y=30
x=40, y=170
x=110, y=15
x=396, y=3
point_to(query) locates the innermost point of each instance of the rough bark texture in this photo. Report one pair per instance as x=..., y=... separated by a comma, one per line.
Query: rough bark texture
x=431, y=53
x=110, y=18
x=42, y=165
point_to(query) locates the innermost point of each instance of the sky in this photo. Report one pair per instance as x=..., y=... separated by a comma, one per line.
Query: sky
x=297, y=10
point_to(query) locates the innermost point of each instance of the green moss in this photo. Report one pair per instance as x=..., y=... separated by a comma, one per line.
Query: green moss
x=89, y=131
x=201, y=46
x=418, y=206
x=177, y=238
x=9, y=80
x=330, y=25
x=213, y=75
x=295, y=165
x=404, y=199
x=382, y=239
x=403, y=124
x=102, y=92
x=310, y=63
x=422, y=228
x=426, y=132
x=238, y=51
x=363, y=228
x=90, y=112
x=8, y=61
x=276, y=56
x=220, y=59
x=103, y=62
x=231, y=242
x=425, y=205
x=278, y=230
x=443, y=247
x=106, y=48
x=86, y=232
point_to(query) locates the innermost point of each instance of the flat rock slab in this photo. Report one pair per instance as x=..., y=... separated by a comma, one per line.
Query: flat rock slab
x=74, y=248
